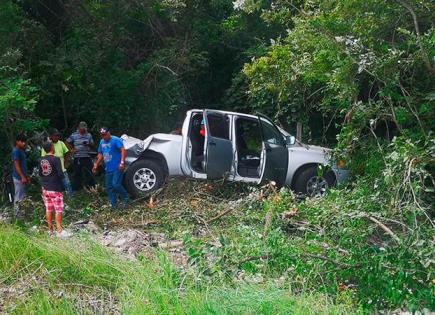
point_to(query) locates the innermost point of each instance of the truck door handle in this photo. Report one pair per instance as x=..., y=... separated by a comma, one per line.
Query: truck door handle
x=212, y=143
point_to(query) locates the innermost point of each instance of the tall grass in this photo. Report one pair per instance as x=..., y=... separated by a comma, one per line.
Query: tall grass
x=80, y=276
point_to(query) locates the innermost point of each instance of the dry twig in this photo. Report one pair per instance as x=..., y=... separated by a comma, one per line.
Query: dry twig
x=385, y=228
x=221, y=214
x=336, y=263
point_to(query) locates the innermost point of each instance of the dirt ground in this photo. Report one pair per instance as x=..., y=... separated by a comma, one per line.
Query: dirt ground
x=150, y=223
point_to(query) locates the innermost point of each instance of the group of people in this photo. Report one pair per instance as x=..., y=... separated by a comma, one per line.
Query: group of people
x=52, y=170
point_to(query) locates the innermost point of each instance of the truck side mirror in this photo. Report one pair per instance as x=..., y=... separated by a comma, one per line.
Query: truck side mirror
x=290, y=140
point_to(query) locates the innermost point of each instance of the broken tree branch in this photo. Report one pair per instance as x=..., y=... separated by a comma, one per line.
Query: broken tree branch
x=321, y=257
x=417, y=31
x=221, y=214
x=385, y=228
x=337, y=263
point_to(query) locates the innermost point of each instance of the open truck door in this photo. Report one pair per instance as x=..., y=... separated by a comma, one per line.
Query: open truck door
x=218, y=150
x=275, y=152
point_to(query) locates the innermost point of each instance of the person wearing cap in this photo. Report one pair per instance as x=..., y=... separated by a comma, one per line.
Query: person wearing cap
x=62, y=152
x=80, y=144
x=111, y=150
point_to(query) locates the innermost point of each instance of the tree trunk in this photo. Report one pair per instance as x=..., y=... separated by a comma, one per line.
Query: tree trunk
x=65, y=118
x=299, y=131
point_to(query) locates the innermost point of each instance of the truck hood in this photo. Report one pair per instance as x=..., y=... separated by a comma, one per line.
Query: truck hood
x=309, y=148
x=311, y=152
x=130, y=142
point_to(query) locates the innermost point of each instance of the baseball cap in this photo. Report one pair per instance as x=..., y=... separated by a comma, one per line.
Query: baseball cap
x=54, y=132
x=83, y=125
x=104, y=130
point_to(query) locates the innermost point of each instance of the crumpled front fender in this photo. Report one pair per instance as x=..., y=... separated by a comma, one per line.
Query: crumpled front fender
x=168, y=146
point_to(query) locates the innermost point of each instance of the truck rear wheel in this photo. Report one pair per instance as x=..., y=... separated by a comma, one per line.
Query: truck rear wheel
x=144, y=177
x=309, y=183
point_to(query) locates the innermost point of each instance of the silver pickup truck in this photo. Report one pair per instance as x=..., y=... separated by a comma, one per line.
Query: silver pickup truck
x=216, y=144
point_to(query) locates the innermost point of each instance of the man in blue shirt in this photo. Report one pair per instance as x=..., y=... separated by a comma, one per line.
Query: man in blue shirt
x=19, y=172
x=112, y=151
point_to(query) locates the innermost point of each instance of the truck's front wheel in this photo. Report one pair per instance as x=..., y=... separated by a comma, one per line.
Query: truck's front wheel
x=309, y=183
x=143, y=177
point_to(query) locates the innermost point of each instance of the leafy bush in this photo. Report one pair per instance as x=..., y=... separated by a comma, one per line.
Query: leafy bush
x=371, y=242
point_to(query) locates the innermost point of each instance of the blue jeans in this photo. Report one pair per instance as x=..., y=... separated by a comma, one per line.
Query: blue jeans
x=67, y=184
x=114, y=187
x=20, y=194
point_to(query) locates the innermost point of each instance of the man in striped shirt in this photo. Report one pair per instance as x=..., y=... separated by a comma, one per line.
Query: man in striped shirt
x=80, y=144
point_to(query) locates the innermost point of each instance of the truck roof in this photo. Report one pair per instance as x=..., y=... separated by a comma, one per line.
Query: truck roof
x=223, y=112
x=283, y=131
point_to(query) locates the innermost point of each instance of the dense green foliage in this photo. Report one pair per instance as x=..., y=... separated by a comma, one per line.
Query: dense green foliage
x=144, y=64
x=360, y=75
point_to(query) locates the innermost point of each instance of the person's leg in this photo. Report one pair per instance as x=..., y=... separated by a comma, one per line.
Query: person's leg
x=67, y=184
x=58, y=207
x=87, y=168
x=17, y=188
x=77, y=176
x=110, y=189
x=118, y=176
x=49, y=207
x=58, y=219
x=49, y=218
x=20, y=194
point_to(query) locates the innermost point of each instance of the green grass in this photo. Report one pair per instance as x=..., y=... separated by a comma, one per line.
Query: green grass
x=339, y=259
x=80, y=276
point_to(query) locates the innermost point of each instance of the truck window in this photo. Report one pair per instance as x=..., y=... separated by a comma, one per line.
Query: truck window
x=271, y=133
x=219, y=125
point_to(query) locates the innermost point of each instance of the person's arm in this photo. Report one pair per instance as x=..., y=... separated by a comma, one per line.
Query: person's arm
x=66, y=154
x=97, y=163
x=59, y=170
x=24, y=178
x=65, y=149
x=16, y=158
x=70, y=145
x=120, y=146
x=99, y=159
x=123, y=156
x=91, y=142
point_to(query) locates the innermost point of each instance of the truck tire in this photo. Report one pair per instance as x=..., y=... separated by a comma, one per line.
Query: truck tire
x=144, y=177
x=310, y=184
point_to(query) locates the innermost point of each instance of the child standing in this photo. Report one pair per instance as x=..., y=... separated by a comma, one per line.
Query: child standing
x=62, y=152
x=50, y=170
